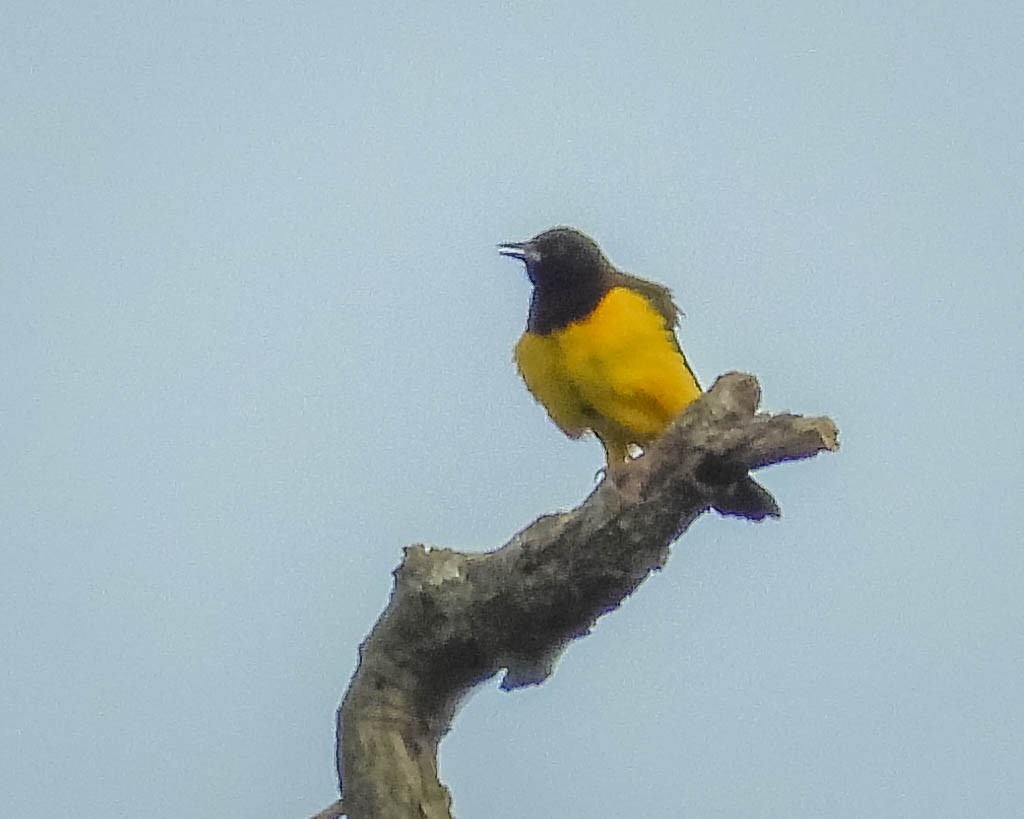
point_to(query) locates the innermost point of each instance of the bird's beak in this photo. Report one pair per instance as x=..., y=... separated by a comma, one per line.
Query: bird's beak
x=517, y=250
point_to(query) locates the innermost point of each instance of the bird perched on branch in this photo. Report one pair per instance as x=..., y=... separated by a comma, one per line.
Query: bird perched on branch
x=600, y=351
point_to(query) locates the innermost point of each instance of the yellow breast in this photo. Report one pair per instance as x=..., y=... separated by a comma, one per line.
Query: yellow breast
x=617, y=372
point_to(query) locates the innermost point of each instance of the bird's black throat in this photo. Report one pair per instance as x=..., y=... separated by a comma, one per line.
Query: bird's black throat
x=554, y=307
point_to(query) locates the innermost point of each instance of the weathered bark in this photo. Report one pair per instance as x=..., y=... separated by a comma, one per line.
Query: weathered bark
x=455, y=619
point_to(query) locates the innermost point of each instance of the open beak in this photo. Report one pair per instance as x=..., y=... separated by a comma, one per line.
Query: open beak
x=517, y=250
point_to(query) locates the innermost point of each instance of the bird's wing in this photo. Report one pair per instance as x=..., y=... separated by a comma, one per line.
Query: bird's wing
x=657, y=294
x=661, y=298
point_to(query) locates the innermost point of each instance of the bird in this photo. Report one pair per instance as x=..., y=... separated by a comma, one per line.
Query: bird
x=600, y=352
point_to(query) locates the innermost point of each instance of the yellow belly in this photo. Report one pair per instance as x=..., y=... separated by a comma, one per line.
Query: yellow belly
x=618, y=372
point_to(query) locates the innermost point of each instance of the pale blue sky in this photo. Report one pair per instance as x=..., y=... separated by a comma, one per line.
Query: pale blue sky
x=255, y=337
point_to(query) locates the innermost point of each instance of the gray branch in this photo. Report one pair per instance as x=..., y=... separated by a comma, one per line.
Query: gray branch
x=455, y=619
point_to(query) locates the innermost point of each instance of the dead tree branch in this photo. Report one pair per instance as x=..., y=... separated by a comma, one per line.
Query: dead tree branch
x=455, y=619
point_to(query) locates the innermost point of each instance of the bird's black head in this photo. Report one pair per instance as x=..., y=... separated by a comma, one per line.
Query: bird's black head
x=570, y=276
x=560, y=258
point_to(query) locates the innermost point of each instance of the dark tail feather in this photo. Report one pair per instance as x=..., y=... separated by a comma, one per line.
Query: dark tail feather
x=746, y=498
x=734, y=492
